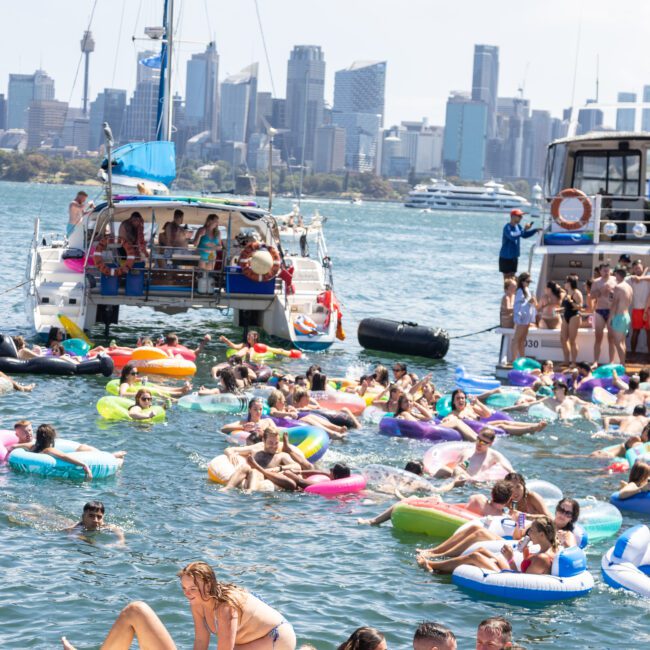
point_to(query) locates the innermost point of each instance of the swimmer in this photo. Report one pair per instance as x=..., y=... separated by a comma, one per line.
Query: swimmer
x=630, y=425
x=433, y=636
x=618, y=451
x=228, y=383
x=129, y=377
x=23, y=351
x=630, y=394
x=240, y=619
x=21, y=388
x=525, y=500
x=295, y=480
x=566, y=406
x=236, y=453
x=494, y=634
x=407, y=409
x=172, y=341
x=301, y=401
x=471, y=462
x=402, y=378
x=638, y=481
x=45, y=439
x=243, y=350
x=254, y=422
x=364, y=638
x=92, y=520
x=142, y=409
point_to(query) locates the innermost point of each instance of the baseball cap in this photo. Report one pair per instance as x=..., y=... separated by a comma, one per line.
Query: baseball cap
x=517, y=213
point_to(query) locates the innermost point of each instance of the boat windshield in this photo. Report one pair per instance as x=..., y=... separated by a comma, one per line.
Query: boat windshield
x=613, y=173
x=555, y=161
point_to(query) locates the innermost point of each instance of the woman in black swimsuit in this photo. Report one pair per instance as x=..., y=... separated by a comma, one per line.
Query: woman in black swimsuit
x=571, y=305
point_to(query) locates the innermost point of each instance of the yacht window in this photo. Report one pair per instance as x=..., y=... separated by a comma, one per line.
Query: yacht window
x=613, y=173
x=555, y=161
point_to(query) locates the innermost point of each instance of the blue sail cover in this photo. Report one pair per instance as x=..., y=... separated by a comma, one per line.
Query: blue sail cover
x=152, y=161
x=154, y=61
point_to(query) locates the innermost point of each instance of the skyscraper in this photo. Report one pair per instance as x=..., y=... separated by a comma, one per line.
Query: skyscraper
x=361, y=88
x=485, y=82
x=3, y=112
x=329, y=149
x=305, y=99
x=109, y=106
x=23, y=90
x=46, y=120
x=142, y=111
x=626, y=117
x=465, y=137
x=239, y=105
x=202, y=92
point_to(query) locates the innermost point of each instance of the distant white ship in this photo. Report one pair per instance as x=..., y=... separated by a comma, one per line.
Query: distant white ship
x=443, y=195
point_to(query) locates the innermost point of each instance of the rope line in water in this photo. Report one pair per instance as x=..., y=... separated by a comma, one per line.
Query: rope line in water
x=16, y=287
x=462, y=336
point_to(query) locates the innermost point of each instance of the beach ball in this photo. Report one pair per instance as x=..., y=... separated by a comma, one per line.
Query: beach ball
x=610, y=229
x=639, y=230
x=261, y=262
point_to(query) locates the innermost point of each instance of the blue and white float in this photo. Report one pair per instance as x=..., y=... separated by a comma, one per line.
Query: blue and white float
x=638, y=503
x=569, y=579
x=627, y=564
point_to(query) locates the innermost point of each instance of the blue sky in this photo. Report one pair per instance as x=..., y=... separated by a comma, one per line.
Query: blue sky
x=428, y=44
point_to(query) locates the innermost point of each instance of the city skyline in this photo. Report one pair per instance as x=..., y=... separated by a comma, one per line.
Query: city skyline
x=420, y=78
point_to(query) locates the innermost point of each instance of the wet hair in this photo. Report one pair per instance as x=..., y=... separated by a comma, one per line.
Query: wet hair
x=644, y=374
x=274, y=398
x=45, y=437
x=639, y=473
x=583, y=365
x=633, y=384
x=255, y=401
x=497, y=625
x=501, y=492
x=546, y=526
x=381, y=375
x=454, y=393
x=229, y=380
x=53, y=335
x=210, y=588
x=639, y=409
x=22, y=423
x=415, y=467
x=171, y=338
x=270, y=431
x=340, y=470
x=556, y=289
x=572, y=281
x=94, y=506
x=562, y=385
x=516, y=477
x=318, y=381
x=126, y=371
x=434, y=632
x=363, y=638
x=575, y=509
x=311, y=370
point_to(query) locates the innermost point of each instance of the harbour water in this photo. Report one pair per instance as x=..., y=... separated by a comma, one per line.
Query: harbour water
x=304, y=554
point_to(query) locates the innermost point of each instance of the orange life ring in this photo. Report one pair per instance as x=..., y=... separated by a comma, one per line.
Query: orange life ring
x=124, y=267
x=571, y=193
x=245, y=262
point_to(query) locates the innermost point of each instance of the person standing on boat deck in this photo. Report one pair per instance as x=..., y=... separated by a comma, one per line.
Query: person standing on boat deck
x=640, y=284
x=132, y=231
x=174, y=233
x=76, y=210
x=602, y=292
x=525, y=312
x=619, y=320
x=510, y=243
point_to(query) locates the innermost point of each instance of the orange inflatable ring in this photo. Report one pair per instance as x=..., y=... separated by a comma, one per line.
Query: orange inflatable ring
x=247, y=255
x=565, y=224
x=125, y=267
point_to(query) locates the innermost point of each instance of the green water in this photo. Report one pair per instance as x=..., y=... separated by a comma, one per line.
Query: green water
x=304, y=554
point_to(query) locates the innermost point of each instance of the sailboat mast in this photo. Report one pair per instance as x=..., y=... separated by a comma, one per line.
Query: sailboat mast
x=164, y=116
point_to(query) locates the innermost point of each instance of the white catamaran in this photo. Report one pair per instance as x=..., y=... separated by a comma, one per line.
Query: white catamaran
x=88, y=276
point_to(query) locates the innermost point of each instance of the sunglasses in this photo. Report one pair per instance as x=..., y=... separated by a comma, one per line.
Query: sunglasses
x=145, y=399
x=484, y=441
x=133, y=372
x=566, y=513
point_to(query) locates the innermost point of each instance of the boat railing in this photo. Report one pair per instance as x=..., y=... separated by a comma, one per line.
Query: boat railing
x=613, y=219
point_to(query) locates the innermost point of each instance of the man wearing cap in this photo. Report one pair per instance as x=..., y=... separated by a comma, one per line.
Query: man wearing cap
x=510, y=243
x=76, y=210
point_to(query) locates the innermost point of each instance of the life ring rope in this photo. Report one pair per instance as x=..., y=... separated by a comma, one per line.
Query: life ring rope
x=556, y=204
x=123, y=268
x=247, y=255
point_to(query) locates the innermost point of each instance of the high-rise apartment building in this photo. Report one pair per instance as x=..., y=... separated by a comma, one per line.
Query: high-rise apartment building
x=329, y=149
x=305, y=99
x=46, y=120
x=362, y=132
x=239, y=105
x=3, y=112
x=23, y=90
x=626, y=117
x=485, y=82
x=465, y=140
x=109, y=106
x=361, y=88
x=202, y=92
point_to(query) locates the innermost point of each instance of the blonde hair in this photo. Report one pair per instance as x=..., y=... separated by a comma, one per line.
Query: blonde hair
x=508, y=282
x=211, y=589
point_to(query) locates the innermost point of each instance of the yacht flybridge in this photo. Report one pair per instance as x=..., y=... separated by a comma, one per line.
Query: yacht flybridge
x=445, y=196
x=597, y=207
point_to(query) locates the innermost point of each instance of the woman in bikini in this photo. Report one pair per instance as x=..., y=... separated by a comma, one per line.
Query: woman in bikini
x=208, y=242
x=571, y=305
x=549, y=306
x=240, y=619
x=542, y=533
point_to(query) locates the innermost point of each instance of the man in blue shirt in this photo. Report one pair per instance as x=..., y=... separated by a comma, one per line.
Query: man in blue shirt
x=510, y=241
